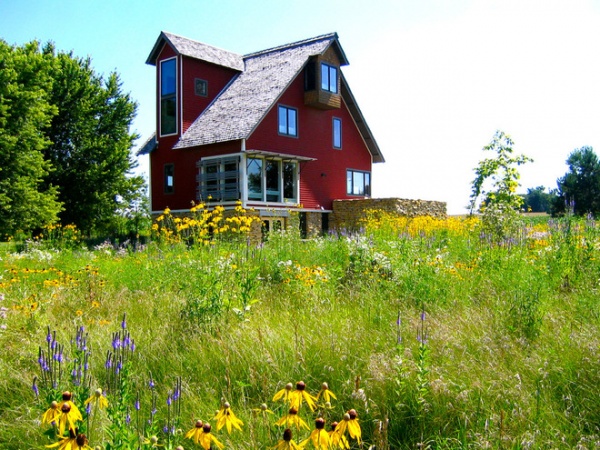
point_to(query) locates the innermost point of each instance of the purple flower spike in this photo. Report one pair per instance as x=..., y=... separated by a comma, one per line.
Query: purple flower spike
x=36, y=391
x=124, y=322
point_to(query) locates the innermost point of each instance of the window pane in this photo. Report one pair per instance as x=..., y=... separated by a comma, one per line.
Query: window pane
x=337, y=133
x=254, y=179
x=168, y=109
x=289, y=181
x=325, y=77
x=272, y=181
x=367, y=184
x=358, y=187
x=333, y=79
x=292, y=122
x=167, y=77
x=283, y=120
x=349, y=183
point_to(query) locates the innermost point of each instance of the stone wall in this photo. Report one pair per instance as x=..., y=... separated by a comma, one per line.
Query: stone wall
x=347, y=214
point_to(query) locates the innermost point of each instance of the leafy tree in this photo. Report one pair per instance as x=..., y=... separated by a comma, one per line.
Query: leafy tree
x=538, y=200
x=90, y=143
x=26, y=202
x=497, y=180
x=579, y=188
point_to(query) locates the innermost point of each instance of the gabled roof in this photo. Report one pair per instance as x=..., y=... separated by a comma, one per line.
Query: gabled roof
x=194, y=49
x=264, y=76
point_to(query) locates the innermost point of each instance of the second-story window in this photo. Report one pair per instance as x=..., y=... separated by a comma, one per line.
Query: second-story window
x=329, y=78
x=288, y=121
x=168, y=97
x=337, y=133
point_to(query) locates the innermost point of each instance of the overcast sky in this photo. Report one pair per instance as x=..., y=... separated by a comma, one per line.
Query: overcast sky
x=434, y=79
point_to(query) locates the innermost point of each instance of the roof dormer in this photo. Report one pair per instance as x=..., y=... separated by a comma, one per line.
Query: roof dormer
x=322, y=80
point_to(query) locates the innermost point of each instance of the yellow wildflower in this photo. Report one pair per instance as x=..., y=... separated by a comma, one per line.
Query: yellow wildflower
x=292, y=418
x=284, y=394
x=299, y=394
x=336, y=439
x=99, y=400
x=201, y=434
x=226, y=417
x=51, y=415
x=350, y=423
x=287, y=443
x=326, y=393
x=319, y=437
x=73, y=442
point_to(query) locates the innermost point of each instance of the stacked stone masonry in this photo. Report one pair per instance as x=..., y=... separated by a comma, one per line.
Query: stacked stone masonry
x=348, y=214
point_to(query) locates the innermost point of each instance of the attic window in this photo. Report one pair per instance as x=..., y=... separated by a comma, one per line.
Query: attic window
x=288, y=121
x=200, y=87
x=329, y=78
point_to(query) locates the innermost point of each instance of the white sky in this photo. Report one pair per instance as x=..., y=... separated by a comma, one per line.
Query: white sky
x=435, y=79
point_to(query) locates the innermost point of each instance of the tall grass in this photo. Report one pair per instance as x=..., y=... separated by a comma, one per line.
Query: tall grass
x=437, y=336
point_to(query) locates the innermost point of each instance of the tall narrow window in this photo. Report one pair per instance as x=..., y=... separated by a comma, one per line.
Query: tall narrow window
x=254, y=170
x=272, y=181
x=290, y=183
x=168, y=97
x=329, y=78
x=169, y=178
x=288, y=121
x=337, y=133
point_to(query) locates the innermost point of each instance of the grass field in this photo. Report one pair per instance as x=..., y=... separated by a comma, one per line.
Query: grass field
x=434, y=334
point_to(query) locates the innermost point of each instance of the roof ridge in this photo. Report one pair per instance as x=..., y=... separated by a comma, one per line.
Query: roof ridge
x=168, y=33
x=291, y=44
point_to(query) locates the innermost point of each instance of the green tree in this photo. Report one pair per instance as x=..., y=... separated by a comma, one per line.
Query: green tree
x=90, y=143
x=26, y=203
x=579, y=188
x=538, y=200
x=496, y=181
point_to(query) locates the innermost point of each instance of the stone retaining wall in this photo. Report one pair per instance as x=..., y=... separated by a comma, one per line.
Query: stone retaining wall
x=347, y=214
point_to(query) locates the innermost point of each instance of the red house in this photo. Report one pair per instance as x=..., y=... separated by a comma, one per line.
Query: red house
x=278, y=130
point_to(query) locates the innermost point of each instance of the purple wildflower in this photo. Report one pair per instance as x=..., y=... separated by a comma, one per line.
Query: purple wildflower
x=124, y=322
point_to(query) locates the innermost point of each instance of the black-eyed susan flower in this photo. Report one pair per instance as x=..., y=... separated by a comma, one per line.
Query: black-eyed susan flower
x=263, y=410
x=226, y=417
x=338, y=440
x=69, y=413
x=73, y=442
x=152, y=441
x=287, y=443
x=292, y=418
x=201, y=434
x=299, y=395
x=98, y=399
x=350, y=423
x=319, y=437
x=284, y=394
x=326, y=393
x=51, y=415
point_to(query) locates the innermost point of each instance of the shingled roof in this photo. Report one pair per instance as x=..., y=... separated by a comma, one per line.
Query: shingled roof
x=263, y=78
x=198, y=50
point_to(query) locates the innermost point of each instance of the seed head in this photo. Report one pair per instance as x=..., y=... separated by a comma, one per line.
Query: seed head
x=324, y=386
x=263, y=407
x=287, y=435
x=153, y=440
x=206, y=427
x=81, y=440
x=66, y=396
x=98, y=392
x=199, y=424
x=65, y=408
x=319, y=423
x=352, y=413
x=289, y=387
x=300, y=385
x=226, y=405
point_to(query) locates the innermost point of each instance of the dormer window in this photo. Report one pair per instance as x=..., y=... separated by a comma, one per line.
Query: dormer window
x=329, y=78
x=168, y=97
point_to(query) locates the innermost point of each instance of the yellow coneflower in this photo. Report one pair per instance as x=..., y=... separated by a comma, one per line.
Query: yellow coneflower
x=338, y=440
x=350, y=423
x=205, y=438
x=292, y=418
x=98, y=398
x=299, y=394
x=287, y=443
x=319, y=437
x=196, y=432
x=326, y=393
x=284, y=394
x=51, y=415
x=263, y=410
x=69, y=414
x=226, y=417
x=73, y=442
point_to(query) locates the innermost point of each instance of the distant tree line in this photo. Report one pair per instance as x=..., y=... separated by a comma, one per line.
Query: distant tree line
x=577, y=192
x=65, y=143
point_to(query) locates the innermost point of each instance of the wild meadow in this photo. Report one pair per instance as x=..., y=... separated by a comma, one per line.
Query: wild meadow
x=413, y=333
